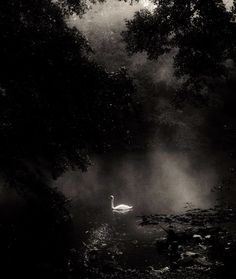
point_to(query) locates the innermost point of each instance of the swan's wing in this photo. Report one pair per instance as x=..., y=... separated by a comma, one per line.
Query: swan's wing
x=122, y=207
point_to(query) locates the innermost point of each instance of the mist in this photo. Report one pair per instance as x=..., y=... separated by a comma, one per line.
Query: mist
x=102, y=26
x=159, y=179
x=152, y=182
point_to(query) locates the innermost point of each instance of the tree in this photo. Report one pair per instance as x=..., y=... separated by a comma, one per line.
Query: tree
x=201, y=36
x=56, y=106
x=202, y=33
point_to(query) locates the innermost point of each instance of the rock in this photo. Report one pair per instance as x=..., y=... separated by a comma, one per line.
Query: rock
x=203, y=261
x=189, y=254
x=156, y=272
x=204, y=247
x=197, y=237
x=163, y=270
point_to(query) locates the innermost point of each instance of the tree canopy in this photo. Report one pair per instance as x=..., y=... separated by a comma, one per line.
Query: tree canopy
x=56, y=106
x=202, y=35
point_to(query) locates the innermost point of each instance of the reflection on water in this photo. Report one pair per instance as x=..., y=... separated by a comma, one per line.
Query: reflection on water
x=153, y=183
x=112, y=239
x=124, y=211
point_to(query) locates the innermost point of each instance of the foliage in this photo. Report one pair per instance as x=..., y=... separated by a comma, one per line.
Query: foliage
x=202, y=33
x=201, y=37
x=56, y=106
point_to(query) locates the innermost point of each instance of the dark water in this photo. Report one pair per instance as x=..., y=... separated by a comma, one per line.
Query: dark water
x=116, y=237
x=151, y=182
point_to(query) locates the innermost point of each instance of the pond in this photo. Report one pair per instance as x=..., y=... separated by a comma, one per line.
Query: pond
x=154, y=182
x=116, y=238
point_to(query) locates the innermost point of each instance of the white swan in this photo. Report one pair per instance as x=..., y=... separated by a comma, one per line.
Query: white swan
x=120, y=207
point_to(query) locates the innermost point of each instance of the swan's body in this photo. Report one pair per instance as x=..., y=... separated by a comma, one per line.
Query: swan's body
x=120, y=207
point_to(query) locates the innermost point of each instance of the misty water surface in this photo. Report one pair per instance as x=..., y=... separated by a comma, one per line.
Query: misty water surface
x=153, y=182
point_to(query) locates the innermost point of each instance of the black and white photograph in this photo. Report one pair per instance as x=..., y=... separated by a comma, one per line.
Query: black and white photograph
x=118, y=139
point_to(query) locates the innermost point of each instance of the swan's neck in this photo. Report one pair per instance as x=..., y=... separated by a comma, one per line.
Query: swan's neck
x=112, y=203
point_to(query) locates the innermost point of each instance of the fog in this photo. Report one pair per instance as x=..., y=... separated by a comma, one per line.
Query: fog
x=102, y=26
x=153, y=182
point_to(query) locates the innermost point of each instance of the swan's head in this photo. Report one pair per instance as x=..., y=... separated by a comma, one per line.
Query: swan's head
x=111, y=197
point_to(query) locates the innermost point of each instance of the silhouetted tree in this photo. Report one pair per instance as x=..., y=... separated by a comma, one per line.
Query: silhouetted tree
x=201, y=36
x=202, y=33
x=56, y=106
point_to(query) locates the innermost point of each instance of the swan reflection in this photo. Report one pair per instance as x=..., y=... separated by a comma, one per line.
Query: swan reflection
x=124, y=211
